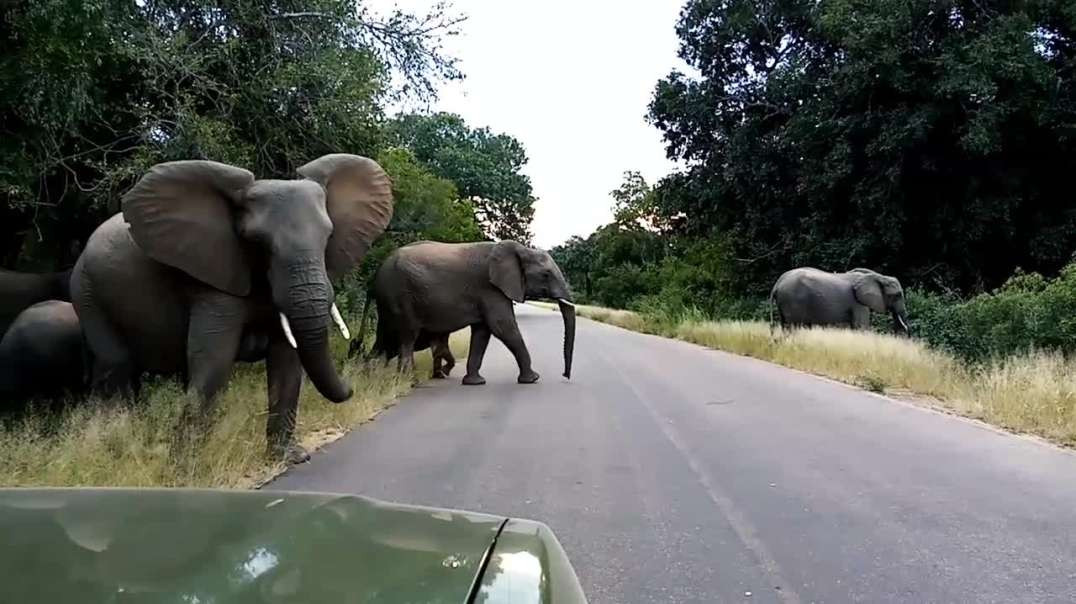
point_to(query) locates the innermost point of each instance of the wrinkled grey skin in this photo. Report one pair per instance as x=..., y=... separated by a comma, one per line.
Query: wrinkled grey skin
x=804, y=297
x=204, y=259
x=41, y=355
x=430, y=290
x=19, y=291
x=387, y=344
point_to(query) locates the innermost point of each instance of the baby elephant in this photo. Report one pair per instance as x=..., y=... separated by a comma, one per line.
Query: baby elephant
x=808, y=296
x=42, y=354
x=427, y=290
x=387, y=345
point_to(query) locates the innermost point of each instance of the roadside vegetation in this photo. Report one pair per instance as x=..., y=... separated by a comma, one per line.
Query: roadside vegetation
x=110, y=443
x=1030, y=392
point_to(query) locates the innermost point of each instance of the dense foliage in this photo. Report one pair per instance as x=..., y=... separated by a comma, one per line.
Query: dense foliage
x=93, y=92
x=485, y=166
x=932, y=139
x=640, y=262
x=1027, y=312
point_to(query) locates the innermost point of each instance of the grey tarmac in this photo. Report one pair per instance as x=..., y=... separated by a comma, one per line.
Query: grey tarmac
x=673, y=473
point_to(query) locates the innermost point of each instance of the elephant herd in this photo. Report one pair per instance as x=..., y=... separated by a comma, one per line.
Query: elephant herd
x=206, y=266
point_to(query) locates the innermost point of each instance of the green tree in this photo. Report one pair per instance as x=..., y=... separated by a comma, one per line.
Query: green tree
x=427, y=206
x=930, y=139
x=93, y=92
x=486, y=168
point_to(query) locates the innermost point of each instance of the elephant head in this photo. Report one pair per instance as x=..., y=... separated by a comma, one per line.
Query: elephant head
x=882, y=294
x=218, y=224
x=524, y=273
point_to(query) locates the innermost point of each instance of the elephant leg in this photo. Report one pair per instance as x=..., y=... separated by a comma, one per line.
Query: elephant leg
x=214, y=335
x=406, y=362
x=860, y=317
x=507, y=331
x=443, y=361
x=450, y=361
x=112, y=370
x=479, y=341
x=285, y=375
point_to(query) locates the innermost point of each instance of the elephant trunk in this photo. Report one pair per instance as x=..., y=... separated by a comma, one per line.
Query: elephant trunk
x=306, y=299
x=567, y=312
x=312, y=342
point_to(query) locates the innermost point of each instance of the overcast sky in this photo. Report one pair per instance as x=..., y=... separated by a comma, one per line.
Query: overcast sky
x=571, y=80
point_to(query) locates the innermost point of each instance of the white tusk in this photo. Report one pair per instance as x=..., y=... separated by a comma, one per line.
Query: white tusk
x=902, y=323
x=340, y=322
x=287, y=330
x=563, y=301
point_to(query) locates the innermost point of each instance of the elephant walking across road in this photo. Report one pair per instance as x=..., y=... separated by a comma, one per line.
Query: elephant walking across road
x=804, y=297
x=207, y=265
x=427, y=290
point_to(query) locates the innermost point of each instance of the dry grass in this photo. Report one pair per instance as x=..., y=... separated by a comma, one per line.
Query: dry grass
x=1032, y=393
x=112, y=444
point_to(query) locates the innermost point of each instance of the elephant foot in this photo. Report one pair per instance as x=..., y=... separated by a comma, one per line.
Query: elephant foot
x=528, y=377
x=296, y=454
x=473, y=380
x=291, y=454
x=438, y=374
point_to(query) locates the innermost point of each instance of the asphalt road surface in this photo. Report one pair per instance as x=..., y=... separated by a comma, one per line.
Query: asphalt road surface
x=672, y=473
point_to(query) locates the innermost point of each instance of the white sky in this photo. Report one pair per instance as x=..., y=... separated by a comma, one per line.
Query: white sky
x=571, y=80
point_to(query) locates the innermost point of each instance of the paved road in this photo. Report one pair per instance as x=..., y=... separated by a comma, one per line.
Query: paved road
x=672, y=473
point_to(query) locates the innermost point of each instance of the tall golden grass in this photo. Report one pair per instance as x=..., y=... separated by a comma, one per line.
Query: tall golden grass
x=109, y=443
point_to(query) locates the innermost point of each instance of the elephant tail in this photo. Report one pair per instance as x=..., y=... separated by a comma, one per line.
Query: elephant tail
x=356, y=347
x=773, y=304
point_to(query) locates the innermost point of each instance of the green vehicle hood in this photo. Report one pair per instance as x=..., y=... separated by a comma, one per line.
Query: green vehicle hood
x=212, y=546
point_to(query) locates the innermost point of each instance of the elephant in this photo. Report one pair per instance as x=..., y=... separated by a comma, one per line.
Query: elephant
x=206, y=265
x=430, y=289
x=387, y=344
x=42, y=353
x=808, y=296
x=19, y=291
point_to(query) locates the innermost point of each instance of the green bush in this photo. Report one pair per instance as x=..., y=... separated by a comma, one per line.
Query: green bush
x=1027, y=312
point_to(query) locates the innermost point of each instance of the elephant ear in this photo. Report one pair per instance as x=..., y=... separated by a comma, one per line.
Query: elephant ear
x=181, y=214
x=868, y=292
x=505, y=271
x=358, y=197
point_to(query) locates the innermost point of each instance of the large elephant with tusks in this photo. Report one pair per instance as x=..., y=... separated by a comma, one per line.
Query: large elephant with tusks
x=205, y=260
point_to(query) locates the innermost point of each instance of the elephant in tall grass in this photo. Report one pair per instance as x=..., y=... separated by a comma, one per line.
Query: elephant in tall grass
x=42, y=354
x=204, y=258
x=20, y=290
x=808, y=296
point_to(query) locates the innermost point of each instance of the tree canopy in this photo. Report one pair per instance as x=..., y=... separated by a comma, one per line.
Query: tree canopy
x=933, y=139
x=486, y=167
x=93, y=92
